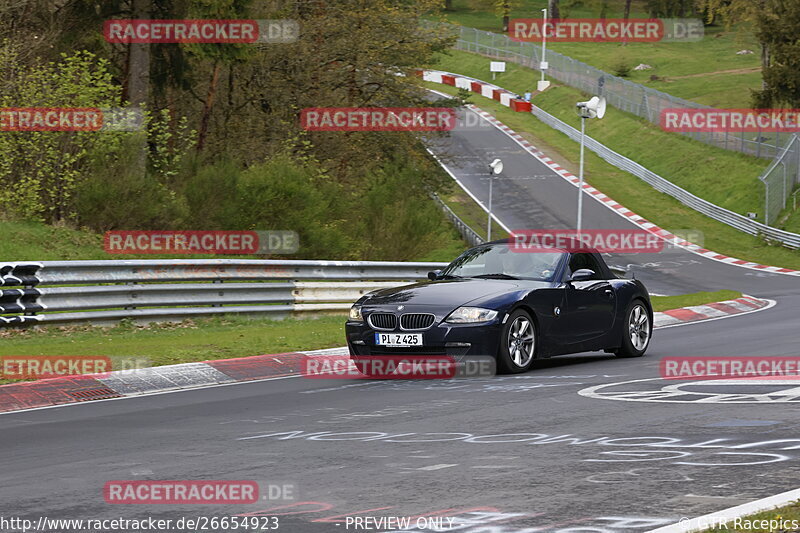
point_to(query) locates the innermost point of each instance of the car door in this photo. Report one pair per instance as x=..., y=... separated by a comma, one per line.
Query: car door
x=588, y=305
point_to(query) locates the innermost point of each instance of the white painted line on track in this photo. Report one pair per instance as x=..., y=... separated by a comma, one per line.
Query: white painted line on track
x=466, y=190
x=436, y=467
x=686, y=525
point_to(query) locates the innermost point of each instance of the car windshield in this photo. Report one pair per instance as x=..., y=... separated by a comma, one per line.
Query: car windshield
x=499, y=261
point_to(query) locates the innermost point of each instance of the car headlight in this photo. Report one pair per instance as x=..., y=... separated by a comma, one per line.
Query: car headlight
x=469, y=315
x=355, y=313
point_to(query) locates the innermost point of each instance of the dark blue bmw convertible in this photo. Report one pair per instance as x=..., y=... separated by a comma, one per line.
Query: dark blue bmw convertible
x=516, y=307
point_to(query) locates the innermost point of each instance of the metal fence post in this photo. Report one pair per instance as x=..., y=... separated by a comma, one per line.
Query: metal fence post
x=784, y=184
x=766, y=201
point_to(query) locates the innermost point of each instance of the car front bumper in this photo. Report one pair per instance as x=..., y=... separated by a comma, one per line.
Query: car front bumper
x=455, y=340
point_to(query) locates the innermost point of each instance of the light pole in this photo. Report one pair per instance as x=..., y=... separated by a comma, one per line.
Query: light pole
x=595, y=107
x=543, y=84
x=495, y=168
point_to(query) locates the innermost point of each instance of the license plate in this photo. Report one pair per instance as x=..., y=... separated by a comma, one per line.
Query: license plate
x=398, y=339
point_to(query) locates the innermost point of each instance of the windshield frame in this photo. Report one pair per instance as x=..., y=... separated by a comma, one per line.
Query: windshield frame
x=454, y=264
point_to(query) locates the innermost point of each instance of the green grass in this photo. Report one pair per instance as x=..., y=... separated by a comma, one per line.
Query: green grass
x=716, y=90
x=716, y=52
x=449, y=250
x=35, y=241
x=664, y=303
x=472, y=214
x=208, y=339
x=188, y=341
x=725, y=178
x=627, y=189
x=787, y=513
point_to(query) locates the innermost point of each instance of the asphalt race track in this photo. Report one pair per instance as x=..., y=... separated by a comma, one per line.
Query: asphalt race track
x=569, y=446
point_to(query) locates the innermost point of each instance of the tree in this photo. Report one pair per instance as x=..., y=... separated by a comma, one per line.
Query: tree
x=503, y=8
x=553, y=9
x=673, y=8
x=627, y=13
x=743, y=14
x=777, y=28
x=218, y=54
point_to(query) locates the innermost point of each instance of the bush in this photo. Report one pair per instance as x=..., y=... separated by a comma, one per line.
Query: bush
x=116, y=195
x=622, y=64
x=398, y=219
x=280, y=194
x=41, y=169
x=621, y=67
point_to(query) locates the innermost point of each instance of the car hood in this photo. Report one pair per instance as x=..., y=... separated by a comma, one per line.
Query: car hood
x=447, y=293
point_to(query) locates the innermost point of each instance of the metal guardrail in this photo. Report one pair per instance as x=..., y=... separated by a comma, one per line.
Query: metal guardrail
x=780, y=178
x=720, y=214
x=56, y=292
x=467, y=233
x=735, y=220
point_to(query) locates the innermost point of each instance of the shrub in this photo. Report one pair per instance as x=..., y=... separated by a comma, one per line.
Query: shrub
x=117, y=195
x=621, y=67
x=280, y=194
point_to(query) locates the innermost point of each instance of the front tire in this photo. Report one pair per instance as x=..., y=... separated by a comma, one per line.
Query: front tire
x=637, y=330
x=518, y=344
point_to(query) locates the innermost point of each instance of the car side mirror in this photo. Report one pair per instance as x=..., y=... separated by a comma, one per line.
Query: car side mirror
x=582, y=274
x=434, y=275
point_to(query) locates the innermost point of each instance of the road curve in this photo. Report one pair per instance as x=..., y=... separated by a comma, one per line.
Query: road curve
x=551, y=450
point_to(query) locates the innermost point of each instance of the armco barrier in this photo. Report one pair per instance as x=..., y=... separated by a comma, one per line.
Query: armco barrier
x=56, y=292
x=467, y=233
x=735, y=220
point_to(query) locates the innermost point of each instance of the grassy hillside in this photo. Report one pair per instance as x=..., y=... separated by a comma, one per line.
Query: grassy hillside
x=35, y=241
x=679, y=68
x=652, y=148
x=725, y=178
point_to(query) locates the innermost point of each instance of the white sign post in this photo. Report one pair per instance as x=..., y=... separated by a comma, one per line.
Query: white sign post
x=497, y=66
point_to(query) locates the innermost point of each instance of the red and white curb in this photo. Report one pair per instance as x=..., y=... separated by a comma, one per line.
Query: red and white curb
x=711, y=311
x=59, y=391
x=497, y=93
x=726, y=517
x=119, y=384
